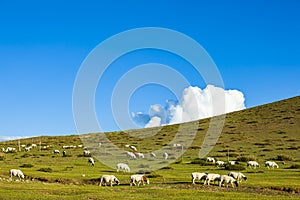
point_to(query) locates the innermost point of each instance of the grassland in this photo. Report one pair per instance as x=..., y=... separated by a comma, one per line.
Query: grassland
x=268, y=132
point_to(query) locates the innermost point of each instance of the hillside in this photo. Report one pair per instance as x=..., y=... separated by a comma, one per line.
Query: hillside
x=267, y=132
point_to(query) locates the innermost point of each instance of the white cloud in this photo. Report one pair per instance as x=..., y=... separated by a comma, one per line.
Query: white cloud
x=196, y=104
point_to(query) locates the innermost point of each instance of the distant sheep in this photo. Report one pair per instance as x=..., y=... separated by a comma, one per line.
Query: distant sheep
x=56, y=151
x=272, y=164
x=86, y=153
x=133, y=148
x=225, y=179
x=17, y=173
x=253, y=164
x=165, y=155
x=238, y=176
x=111, y=179
x=140, y=155
x=91, y=160
x=152, y=155
x=212, y=177
x=27, y=149
x=210, y=159
x=232, y=162
x=10, y=149
x=198, y=176
x=130, y=155
x=122, y=167
x=220, y=163
x=137, y=179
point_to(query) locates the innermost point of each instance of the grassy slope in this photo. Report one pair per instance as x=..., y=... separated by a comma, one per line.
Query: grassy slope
x=260, y=133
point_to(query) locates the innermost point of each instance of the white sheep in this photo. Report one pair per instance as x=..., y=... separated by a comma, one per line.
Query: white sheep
x=239, y=176
x=232, y=162
x=228, y=180
x=152, y=155
x=140, y=155
x=212, y=177
x=137, y=179
x=210, y=159
x=198, y=176
x=130, y=155
x=91, y=160
x=253, y=164
x=165, y=155
x=133, y=148
x=108, y=179
x=86, y=153
x=56, y=151
x=16, y=172
x=10, y=149
x=123, y=167
x=272, y=164
x=220, y=163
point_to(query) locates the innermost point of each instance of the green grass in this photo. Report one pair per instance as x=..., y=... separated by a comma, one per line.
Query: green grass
x=268, y=132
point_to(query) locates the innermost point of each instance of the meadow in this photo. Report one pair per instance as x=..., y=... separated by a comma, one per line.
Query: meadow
x=267, y=132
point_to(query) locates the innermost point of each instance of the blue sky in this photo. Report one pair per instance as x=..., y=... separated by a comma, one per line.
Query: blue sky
x=255, y=45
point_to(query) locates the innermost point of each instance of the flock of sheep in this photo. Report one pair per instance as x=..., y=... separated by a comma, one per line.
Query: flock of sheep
x=233, y=178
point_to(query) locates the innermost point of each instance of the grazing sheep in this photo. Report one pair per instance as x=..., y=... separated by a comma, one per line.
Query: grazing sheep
x=133, y=148
x=198, y=176
x=108, y=179
x=253, y=164
x=86, y=153
x=212, y=177
x=232, y=162
x=33, y=145
x=272, y=164
x=17, y=173
x=80, y=146
x=91, y=160
x=56, y=151
x=64, y=153
x=123, y=167
x=10, y=149
x=220, y=163
x=137, y=179
x=27, y=149
x=165, y=155
x=210, y=159
x=130, y=155
x=228, y=180
x=152, y=155
x=238, y=176
x=140, y=155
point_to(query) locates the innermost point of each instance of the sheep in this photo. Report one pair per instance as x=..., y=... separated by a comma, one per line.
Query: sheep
x=64, y=153
x=86, y=153
x=272, y=164
x=238, y=176
x=109, y=179
x=56, y=151
x=253, y=164
x=16, y=172
x=137, y=179
x=33, y=145
x=165, y=155
x=220, y=163
x=228, y=179
x=231, y=162
x=210, y=159
x=27, y=149
x=198, y=176
x=140, y=155
x=66, y=147
x=152, y=155
x=10, y=149
x=133, y=148
x=80, y=146
x=130, y=155
x=123, y=167
x=91, y=160
x=212, y=177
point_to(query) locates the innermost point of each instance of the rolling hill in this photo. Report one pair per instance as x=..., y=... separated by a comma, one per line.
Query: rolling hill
x=267, y=132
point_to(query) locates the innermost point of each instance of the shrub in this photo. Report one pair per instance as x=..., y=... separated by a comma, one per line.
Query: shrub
x=199, y=161
x=46, y=169
x=26, y=166
x=294, y=166
x=283, y=158
x=2, y=157
x=246, y=158
x=235, y=167
x=25, y=155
